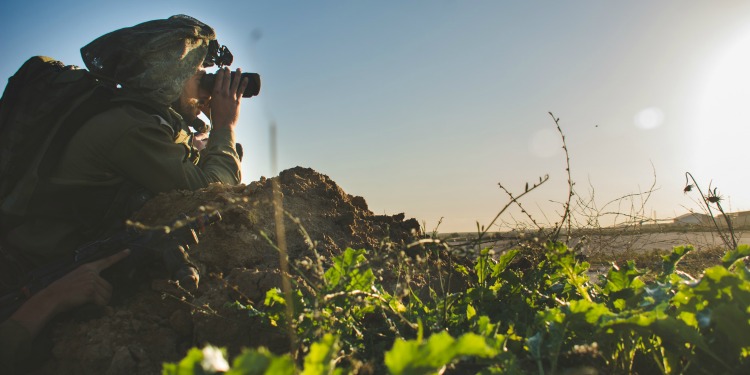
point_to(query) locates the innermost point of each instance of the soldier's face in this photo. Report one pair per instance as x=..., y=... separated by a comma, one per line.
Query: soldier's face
x=193, y=99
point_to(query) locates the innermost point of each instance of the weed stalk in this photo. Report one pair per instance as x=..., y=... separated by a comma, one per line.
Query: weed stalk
x=286, y=284
x=730, y=238
x=566, y=212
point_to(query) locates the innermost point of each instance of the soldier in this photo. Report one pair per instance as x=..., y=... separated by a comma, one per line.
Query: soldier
x=140, y=145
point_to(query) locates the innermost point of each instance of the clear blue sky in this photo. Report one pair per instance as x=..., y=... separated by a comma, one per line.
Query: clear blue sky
x=423, y=107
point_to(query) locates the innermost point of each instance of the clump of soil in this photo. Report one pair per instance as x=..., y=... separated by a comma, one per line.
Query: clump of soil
x=161, y=320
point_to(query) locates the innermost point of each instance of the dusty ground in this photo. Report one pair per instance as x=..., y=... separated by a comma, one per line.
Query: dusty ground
x=160, y=321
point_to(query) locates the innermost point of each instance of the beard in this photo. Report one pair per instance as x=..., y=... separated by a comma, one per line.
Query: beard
x=188, y=108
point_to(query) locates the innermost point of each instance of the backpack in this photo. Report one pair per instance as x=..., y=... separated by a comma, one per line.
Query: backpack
x=42, y=106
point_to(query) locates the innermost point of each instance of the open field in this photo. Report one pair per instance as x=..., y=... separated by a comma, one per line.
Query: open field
x=609, y=240
x=615, y=244
x=603, y=247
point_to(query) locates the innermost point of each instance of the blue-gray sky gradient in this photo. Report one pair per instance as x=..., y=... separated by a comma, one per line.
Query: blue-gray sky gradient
x=423, y=107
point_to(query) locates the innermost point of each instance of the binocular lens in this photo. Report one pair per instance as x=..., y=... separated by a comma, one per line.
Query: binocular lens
x=252, y=89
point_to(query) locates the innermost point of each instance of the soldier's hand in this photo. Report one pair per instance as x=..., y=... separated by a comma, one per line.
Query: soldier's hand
x=80, y=286
x=84, y=285
x=226, y=98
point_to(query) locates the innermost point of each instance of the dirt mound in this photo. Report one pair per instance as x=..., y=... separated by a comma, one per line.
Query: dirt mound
x=159, y=322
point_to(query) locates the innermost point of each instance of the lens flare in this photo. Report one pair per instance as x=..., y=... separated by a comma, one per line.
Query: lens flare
x=649, y=118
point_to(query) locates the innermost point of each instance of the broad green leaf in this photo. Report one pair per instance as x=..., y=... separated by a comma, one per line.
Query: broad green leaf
x=623, y=278
x=689, y=318
x=346, y=272
x=191, y=364
x=732, y=256
x=209, y=360
x=251, y=362
x=359, y=280
x=396, y=305
x=470, y=344
x=461, y=269
x=274, y=296
x=262, y=362
x=470, y=311
x=415, y=358
x=402, y=357
x=503, y=262
x=485, y=326
x=669, y=262
x=318, y=360
x=591, y=311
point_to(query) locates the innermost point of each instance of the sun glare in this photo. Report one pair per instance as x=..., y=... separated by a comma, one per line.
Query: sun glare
x=721, y=133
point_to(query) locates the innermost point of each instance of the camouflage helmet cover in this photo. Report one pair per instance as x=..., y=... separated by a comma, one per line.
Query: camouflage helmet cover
x=151, y=60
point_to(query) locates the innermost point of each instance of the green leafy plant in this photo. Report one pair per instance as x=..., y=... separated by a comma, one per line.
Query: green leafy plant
x=544, y=318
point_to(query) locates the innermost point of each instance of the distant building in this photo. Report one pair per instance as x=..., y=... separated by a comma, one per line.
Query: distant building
x=739, y=219
x=692, y=218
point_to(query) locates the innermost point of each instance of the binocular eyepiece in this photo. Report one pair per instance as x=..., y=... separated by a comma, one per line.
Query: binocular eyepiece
x=219, y=55
x=252, y=89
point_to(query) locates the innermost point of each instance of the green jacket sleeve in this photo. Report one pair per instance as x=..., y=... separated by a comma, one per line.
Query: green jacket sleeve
x=140, y=147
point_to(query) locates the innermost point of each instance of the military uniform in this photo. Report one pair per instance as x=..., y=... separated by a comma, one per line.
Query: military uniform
x=120, y=148
x=136, y=148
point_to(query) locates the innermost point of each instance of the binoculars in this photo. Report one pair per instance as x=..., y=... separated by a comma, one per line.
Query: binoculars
x=252, y=89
